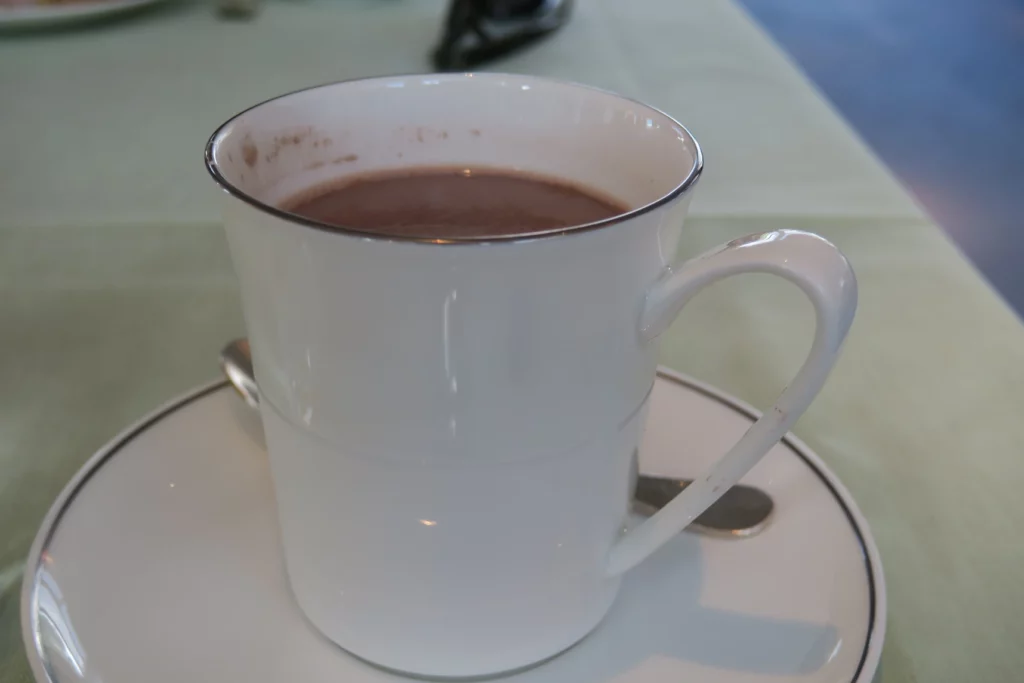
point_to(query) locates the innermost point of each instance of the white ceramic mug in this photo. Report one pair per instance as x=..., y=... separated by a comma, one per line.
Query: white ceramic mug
x=450, y=423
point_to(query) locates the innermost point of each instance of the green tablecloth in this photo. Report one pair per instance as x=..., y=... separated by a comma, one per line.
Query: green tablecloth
x=116, y=291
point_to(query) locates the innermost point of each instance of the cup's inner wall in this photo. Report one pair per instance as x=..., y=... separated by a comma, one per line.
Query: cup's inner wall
x=620, y=148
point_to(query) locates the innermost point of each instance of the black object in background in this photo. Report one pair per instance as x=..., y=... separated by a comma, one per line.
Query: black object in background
x=477, y=31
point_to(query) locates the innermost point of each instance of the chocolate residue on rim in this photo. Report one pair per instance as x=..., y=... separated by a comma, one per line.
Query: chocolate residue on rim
x=250, y=154
x=282, y=141
x=293, y=139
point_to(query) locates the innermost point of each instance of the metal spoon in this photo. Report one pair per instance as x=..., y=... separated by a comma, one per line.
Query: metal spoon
x=742, y=511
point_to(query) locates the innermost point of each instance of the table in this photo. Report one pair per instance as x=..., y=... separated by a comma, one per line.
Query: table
x=117, y=290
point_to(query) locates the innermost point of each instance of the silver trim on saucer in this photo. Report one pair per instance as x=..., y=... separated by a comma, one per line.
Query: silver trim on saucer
x=875, y=636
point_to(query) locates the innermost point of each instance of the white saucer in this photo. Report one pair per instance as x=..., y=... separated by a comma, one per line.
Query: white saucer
x=39, y=15
x=160, y=562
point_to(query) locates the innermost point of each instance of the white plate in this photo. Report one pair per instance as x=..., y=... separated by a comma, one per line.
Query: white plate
x=31, y=16
x=160, y=562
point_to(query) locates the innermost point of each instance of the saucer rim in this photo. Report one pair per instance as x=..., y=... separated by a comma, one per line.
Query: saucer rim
x=866, y=667
x=35, y=16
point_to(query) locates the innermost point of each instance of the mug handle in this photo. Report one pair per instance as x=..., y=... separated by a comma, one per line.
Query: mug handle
x=819, y=269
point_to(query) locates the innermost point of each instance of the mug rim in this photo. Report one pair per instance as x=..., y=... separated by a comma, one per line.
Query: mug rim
x=213, y=169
